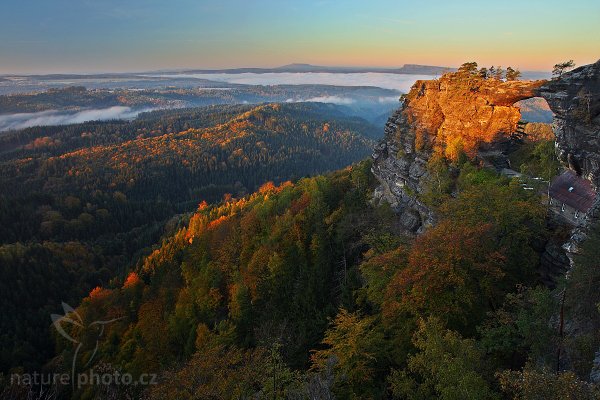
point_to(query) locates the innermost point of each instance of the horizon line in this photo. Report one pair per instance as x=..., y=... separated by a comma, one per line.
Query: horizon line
x=199, y=68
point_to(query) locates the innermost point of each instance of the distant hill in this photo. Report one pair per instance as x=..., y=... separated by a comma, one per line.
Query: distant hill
x=244, y=144
x=410, y=69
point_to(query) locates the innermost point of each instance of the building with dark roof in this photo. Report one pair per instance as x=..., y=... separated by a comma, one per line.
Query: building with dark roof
x=571, y=196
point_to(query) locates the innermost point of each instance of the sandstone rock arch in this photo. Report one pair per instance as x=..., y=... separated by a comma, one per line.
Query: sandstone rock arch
x=468, y=112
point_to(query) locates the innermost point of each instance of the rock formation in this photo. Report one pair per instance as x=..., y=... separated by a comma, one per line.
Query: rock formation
x=463, y=112
x=400, y=168
x=458, y=112
x=575, y=101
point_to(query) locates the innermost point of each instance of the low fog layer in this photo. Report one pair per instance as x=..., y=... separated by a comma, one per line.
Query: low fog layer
x=343, y=100
x=400, y=82
x=55, y=117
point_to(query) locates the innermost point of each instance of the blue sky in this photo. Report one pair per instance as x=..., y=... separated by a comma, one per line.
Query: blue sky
x=138, y=35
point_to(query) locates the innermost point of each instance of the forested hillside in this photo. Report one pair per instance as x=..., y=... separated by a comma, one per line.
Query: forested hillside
x=79, y=204
x=307, y=290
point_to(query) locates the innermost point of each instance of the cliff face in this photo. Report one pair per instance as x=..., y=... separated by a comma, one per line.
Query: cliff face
x=456, y=112
x=399, y=168
x=575, y=101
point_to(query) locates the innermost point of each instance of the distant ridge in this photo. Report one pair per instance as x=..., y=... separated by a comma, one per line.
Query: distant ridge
x=412, y=69
x=408, y=69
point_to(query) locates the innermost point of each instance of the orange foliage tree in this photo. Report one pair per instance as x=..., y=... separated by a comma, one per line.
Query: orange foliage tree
x=452, y=273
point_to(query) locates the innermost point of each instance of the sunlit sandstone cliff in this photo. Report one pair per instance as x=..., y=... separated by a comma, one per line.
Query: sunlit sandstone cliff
x=458, y=112
x=463, y=112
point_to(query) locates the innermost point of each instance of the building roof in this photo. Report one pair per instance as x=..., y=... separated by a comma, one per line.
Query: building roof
x=573, y=191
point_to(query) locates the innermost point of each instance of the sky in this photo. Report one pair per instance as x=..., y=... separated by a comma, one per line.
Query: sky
x=49, y=36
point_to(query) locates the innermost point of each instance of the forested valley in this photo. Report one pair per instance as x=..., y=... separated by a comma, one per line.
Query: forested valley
x=81, y=204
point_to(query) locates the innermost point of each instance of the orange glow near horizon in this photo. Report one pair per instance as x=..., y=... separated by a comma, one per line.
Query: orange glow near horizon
x=115, y=35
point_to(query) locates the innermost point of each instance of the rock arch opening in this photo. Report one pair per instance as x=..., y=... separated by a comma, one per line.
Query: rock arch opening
x=535, y=110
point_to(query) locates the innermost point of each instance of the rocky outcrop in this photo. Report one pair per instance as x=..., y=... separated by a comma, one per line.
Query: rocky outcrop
x=458, y=112
x=400, y=169
x=462, y=112
x=575, y=101
x=554, y=261
x=465, y=111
